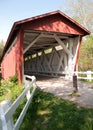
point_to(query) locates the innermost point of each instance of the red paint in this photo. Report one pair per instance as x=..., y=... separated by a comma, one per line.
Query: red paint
x=13, y=62
x=55, y=23
x=78, y=52
x=19, y=55
x=9, y=64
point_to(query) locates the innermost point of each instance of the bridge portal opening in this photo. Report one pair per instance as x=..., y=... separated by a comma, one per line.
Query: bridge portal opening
x=48, y=53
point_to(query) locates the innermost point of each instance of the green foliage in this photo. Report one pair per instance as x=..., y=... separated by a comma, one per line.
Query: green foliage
x=86, y=55
x=81, y=11
x=10, y=89
x=48, y=112
x=1, y=47
x=16, y=90
x=14, y=79
x=2, y=91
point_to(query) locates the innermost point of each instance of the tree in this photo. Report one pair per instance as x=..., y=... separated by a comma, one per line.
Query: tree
x=86, y=55
x=81, y=11
x=2, y=43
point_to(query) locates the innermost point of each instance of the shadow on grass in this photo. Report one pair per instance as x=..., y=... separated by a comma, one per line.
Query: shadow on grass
x=48, y=112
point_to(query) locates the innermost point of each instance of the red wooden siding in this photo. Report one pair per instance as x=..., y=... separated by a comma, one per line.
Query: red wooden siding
x=9, y=64
x=12, y=63
x=55, y=23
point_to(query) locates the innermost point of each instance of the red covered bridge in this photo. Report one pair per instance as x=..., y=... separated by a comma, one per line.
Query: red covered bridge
x=47, y=44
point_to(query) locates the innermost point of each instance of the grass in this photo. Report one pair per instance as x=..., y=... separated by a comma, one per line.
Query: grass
x=48, y=112
x=9, y=90
x=73, y=94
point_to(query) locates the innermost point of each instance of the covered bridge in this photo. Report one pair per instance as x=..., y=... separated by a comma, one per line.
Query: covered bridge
x=47, y=44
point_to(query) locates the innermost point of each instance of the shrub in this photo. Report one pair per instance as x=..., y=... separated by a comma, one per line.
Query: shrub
x=14, y=79
x=2, y=91
x=9, y=89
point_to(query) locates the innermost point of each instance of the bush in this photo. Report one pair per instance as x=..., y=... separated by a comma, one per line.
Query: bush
x=10, y=89
x=14, y=79
x=2, y=91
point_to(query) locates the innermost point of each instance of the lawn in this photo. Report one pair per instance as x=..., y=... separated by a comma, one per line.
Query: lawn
x=48, y=112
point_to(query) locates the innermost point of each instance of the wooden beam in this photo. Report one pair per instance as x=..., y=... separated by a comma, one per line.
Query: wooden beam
x=27, y=48
x=52, y=36
x=46, y=60
x=60, y=63
x=62, y=44
x=65, y=62
x=78, y=41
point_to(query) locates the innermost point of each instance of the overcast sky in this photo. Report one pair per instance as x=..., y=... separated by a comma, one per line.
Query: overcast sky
x=15, y=10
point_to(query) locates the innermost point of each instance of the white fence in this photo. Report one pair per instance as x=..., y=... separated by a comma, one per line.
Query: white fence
x=88, y=75
x=7, y=109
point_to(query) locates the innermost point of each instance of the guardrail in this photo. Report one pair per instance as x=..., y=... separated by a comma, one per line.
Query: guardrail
x=88, y=75
x=7, y=109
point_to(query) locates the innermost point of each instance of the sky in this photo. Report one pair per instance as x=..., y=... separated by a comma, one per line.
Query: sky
x=15, y=10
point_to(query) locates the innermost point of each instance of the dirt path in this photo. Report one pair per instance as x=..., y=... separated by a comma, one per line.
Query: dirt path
x=63, y=88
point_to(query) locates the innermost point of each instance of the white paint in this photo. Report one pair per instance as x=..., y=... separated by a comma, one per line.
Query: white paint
x=7, y=110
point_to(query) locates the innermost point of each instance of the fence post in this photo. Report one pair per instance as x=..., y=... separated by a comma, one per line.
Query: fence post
x=27, y=84
x=75, y=83
x=6, y=125
x=89, y=75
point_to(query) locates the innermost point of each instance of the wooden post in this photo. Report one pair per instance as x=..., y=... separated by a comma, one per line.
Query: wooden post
x=75, y=83
x=77, y=53
x=19, y=56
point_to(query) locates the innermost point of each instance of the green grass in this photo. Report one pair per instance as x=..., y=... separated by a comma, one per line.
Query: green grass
x=48, y=112
x=9, y=90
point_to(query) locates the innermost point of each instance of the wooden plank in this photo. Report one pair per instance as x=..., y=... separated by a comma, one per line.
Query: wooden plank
x=62, y=44
x=10, y=48
x=46, y=60
x=52, y=36
x=60, y=63
x=70, y=58
x=27, y=48
x=65, y=62
x=76, y=48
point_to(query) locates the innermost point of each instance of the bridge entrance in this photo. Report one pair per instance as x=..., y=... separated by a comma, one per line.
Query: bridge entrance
x=52, y=54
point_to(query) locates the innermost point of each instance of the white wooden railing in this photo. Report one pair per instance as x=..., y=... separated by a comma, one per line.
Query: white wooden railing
x=7, y=109
x=88, y=75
